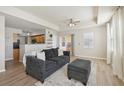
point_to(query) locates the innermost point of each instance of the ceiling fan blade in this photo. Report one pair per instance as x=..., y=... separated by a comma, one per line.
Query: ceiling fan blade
x=76, y=21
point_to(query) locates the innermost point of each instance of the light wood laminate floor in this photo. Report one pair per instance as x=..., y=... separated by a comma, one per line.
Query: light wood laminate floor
x=15, y=75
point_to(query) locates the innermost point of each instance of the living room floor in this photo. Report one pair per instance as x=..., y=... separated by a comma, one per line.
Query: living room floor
x=15, y=75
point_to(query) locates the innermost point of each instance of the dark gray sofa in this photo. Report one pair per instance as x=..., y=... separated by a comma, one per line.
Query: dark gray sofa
x=40, y=69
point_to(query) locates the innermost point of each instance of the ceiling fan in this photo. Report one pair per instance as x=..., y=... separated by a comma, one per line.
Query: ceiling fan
x=72, y=23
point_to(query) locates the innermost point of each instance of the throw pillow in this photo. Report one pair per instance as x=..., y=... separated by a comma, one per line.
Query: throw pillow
x=41, y=55
x=60, y=52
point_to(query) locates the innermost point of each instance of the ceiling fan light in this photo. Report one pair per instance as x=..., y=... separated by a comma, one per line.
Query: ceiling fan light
x=71, y=25
x=28, y=34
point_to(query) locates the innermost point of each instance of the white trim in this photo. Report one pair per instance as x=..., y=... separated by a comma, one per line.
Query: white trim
x=2, y=70
x=92, y=57
x=8, y=59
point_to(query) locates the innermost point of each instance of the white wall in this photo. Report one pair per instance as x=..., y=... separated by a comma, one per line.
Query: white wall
x=2, y=43
x=9, y=42
x=105, y=13
x=100, y=42
x=54, y=42
x=34, y=47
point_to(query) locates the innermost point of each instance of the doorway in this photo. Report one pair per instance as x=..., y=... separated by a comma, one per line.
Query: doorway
x=16, y=47
x=66, y=43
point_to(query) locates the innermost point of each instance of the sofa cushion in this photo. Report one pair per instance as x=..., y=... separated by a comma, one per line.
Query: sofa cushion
x=59, y=61
x=48, y=54
x=55, y=51
x=50, y=65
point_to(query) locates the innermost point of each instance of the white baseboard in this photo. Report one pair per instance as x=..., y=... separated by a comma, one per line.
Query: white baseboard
x=2, y=70
x=8, y=59
x=92, y=57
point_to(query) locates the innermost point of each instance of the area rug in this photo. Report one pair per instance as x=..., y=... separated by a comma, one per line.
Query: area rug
x=59, y=78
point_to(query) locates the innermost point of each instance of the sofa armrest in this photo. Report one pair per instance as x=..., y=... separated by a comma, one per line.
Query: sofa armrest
x=34, y=65
x=66, y=53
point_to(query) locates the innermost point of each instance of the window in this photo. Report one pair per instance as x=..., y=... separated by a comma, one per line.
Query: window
x=88, y=40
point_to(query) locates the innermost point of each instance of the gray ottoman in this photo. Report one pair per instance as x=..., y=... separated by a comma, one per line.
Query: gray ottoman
x=79, y=70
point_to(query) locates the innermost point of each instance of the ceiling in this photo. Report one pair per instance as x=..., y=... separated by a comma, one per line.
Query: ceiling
x=60, y=14
x=14, y=22
x=87, y=15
